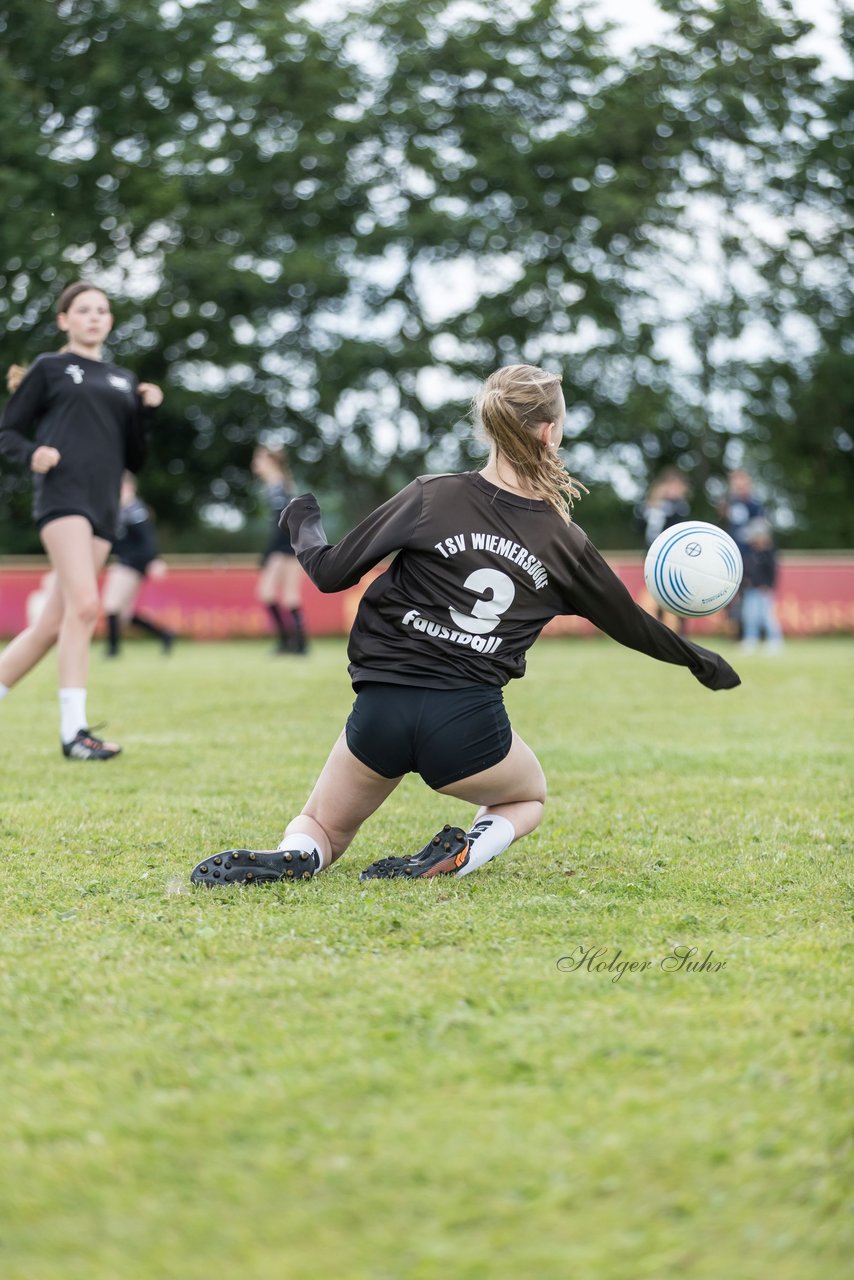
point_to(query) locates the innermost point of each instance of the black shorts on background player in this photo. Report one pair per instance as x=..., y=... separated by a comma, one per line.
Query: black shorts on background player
x=279, y=544
x=277, y=498
x=135, y=545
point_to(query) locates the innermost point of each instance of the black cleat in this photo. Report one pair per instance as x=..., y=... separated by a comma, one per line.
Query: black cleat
x=444, y=855
x=293, y=644
x=85, y=746
x=254, y=866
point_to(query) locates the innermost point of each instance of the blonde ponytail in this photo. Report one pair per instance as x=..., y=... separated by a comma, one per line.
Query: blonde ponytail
x=510, y=406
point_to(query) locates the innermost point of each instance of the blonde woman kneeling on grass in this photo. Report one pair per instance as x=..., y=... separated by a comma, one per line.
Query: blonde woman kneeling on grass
x=485, y=559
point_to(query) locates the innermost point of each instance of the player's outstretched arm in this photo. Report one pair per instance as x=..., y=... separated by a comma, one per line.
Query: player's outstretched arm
x=334, y=568
x=598, y=595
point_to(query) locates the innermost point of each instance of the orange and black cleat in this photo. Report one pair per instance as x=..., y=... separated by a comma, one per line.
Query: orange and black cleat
x=445, y=854
x=254, y=866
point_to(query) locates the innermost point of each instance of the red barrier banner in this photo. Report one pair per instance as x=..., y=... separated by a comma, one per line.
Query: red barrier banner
x=215, y=600
x=814, y=596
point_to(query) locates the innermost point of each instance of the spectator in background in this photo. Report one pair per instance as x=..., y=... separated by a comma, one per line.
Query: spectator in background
x=739, y=508
x=759, y=614
x=136, y=558
x=281, y=578
x=666, y=504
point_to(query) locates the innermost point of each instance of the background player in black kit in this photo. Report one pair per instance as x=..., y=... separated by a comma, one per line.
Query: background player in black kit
x=135, y=559
x=280, y=580
x=89, y=418
x=485, y=559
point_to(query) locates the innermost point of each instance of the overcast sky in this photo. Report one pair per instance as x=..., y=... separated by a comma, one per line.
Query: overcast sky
x=641, y=20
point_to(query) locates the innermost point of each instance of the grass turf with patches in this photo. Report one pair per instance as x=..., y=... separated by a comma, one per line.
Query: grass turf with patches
x=394, y=1080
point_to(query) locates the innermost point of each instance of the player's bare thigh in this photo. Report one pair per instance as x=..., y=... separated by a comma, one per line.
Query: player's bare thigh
x=517, y=778
x=344, y=796
x=78, y=555
x=270, y=578
x=291, y=579
x=120, y=589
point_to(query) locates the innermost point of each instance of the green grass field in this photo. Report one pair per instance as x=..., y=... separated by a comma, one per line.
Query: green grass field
x=385, y=1080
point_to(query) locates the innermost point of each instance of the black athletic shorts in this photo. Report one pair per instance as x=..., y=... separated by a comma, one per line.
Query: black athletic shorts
x=99, y=529
x=138, y=563
x=442, y=734
x=279, y=544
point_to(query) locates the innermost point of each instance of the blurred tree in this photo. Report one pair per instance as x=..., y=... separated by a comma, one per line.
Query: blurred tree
x=803, y=406
x=330, y=229
x=509, y=188
x=748, y=253
x=193, y=159
x=804, y=444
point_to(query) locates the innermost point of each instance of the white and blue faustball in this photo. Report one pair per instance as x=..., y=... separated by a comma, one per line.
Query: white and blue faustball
x=693, y=569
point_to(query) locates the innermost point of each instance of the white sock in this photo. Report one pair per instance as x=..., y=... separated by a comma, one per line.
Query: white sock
x=305, y=844
x=72, y=713
x=488, y=837
x=4, y=689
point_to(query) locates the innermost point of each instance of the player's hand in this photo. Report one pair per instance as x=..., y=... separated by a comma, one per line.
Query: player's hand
x=722, y=678
x=150, y=395
x=44, y=459
x=157, y=569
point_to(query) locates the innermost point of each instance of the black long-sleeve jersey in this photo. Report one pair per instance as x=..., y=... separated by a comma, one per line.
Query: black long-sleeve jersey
x=91, y=412
x=479, y=573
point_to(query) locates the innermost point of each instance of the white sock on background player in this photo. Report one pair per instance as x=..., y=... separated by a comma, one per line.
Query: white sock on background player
x=305, y=844
x=72, y=713
x=488, y=837
x=4, y=689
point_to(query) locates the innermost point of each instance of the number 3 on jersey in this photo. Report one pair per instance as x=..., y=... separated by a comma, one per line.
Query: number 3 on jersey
x=486, y=614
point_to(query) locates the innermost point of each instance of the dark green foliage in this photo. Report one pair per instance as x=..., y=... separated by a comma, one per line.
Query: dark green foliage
x=331, y=231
